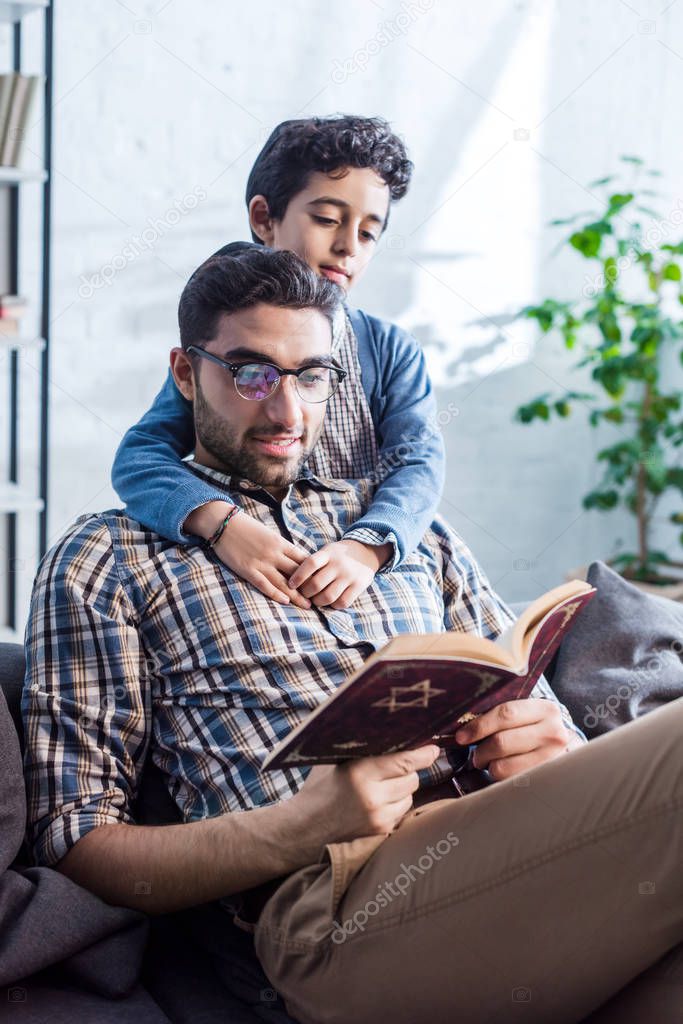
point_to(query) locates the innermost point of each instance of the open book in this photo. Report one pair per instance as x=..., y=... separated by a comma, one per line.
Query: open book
x=419, y=688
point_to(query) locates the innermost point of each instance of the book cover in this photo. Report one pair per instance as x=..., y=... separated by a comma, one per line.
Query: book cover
x=19, y=127
x=18, y=98
x=10, y=326
x=6, y=90
x=412, y=693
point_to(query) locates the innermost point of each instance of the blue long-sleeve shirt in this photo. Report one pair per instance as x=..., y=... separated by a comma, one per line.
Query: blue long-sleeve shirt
x=160, y=491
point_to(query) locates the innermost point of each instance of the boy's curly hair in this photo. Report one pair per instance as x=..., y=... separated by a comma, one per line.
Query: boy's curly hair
x=297, y=148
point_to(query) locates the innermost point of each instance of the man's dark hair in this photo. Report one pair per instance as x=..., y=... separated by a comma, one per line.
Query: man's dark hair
x=241, y=275
x=295, y=149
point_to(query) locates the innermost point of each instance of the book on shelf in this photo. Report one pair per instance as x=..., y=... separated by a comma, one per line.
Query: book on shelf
x=12, y=309
x=17, y=96
x=6, y=90
x=419, y=688
x=15, y=306
x=10, y=327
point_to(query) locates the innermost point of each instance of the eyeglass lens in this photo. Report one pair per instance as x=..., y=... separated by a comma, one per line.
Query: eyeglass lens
x=255, y=381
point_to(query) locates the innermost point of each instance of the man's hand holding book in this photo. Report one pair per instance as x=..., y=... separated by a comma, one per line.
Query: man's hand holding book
x=517, y=735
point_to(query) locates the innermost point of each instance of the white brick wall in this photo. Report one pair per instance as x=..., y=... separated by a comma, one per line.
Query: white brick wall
x=155, y=100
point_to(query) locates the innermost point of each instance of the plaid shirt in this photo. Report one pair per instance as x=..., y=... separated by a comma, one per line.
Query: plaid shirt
x=347, y=448
x=138, y=644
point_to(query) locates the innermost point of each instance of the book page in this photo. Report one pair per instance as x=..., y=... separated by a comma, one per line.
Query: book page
x=445, y=645
x=511, y=649
x=525, y=628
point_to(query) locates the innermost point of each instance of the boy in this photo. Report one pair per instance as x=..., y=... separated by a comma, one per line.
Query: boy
x=321, y=187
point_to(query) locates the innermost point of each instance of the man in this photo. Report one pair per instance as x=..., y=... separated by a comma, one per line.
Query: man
x=135, y=642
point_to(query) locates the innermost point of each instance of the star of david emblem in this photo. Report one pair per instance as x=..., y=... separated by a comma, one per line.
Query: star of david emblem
x=569, y=611
x=415, y=696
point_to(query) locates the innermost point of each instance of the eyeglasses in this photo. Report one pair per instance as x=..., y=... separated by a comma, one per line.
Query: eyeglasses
x=256, y=381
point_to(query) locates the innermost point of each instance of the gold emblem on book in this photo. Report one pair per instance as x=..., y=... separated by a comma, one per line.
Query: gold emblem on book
x=415, y=696
x=486, y=680
x=469, y=716
x=296, y=757
x=569, y=611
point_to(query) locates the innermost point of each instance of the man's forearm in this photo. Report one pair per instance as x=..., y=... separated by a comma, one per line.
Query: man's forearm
x=159, y=869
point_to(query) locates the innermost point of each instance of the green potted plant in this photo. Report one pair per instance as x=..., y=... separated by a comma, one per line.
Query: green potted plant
x=622, y=326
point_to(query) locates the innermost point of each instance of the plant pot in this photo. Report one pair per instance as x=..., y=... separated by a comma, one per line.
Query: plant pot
x=669, y=586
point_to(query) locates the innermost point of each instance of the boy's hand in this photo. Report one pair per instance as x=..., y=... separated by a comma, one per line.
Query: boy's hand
x=262, y=557
x=337, y=573
x=254, y=552
x=517, y=735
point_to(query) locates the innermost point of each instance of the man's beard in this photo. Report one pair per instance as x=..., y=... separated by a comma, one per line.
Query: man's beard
x=231, y=452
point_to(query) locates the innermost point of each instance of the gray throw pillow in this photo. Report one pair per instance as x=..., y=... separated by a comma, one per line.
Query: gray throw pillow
x=622, y=657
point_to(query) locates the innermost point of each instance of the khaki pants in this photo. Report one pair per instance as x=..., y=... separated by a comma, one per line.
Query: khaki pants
x=536, y=900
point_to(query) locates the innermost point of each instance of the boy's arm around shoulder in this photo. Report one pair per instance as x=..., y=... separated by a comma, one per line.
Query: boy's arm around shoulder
x=411, y=468
x=148, y=473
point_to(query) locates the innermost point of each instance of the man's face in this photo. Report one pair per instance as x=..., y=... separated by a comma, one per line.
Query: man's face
x=333, y=222
x=267, y=441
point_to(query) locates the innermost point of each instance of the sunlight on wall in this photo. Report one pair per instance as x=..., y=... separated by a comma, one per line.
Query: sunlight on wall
x=465, y=300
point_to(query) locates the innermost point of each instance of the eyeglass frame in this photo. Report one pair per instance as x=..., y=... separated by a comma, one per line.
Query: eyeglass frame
x=234, y=367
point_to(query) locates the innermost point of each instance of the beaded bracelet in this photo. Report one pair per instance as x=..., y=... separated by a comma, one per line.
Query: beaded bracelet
x=215, y=537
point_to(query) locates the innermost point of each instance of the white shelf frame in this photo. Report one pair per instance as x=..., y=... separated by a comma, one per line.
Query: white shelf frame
x=12, y=11
x=14, y=498
x=21, y=343
x=19, y=499
x=20, y=175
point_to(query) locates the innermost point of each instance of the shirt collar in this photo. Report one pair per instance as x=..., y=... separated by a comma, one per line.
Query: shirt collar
x=235, y=483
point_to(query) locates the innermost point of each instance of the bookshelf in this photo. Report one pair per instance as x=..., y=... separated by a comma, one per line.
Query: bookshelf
x=24, y=461
x=15, y=175
x=13, y=11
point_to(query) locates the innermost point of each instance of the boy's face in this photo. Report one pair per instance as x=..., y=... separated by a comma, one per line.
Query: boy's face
x=335, y=222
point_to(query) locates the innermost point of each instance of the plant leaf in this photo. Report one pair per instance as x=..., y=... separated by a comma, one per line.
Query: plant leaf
x=586, y=242
x=619, y=200
x=601, y=500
